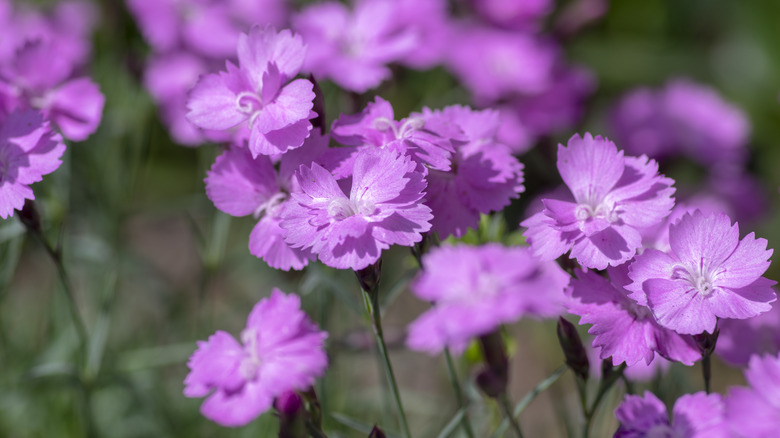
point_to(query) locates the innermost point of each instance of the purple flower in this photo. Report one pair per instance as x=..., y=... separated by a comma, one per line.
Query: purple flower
x=426, y=140
x=281, y=350
x=612, y=198
x=683, y=117
x=430, y=22
x=754, y=412
x=255, y=92
x=495, y=64
x=353, y=48
x=697, y=415
x=38, y=77
x=240, y=185
x=484, y=175
x=475, y=289
x=623, y=329
x=384, y=207
x=28, y=150
x=707, y=274
x=513, y=14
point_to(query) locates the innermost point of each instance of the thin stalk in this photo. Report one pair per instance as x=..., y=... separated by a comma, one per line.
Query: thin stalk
x=464, y=422
x=503, y=400
x=706, y=371
x=372, y=302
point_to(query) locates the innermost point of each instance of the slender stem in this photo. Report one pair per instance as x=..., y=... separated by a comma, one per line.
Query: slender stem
x=503, y=400
x=374, y=311
x=458, y=393
x=706, y=370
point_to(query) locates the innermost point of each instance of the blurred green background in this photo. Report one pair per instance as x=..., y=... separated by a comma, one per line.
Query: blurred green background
x=154, y=266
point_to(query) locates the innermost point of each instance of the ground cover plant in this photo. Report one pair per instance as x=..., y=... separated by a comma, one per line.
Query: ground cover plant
x=389, y=218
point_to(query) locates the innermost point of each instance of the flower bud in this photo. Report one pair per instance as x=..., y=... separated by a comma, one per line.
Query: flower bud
x=369, y=277
x=376, y=432
x=573, y=351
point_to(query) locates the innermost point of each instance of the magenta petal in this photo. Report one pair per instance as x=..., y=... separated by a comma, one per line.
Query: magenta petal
x=692, y=238
x=749, y=261
x=238, y=185
x=678, y=306
x=234, y=410
x=293, y=103
x=589, y=166
x=77, y=108
x=267, y=242
x=264, y=45
x=650, y=264
x=700, y=415
x=213, y=102
x=214, y=364
x=638, y=415
x=745, y=302
x=546, y=241
x=280, y=140
x=749, y=415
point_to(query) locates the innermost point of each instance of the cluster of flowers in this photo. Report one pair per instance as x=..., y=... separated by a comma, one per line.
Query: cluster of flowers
x=495, y=49
x=44, y=95
x=692, y=120
x=345, y=204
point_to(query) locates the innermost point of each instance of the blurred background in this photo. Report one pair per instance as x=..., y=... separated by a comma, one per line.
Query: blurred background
x=155, y=267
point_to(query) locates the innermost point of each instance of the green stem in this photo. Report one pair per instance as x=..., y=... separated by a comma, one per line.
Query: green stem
x=503, y=400
x=706, y=371
x=373, y=309
x=458, y=393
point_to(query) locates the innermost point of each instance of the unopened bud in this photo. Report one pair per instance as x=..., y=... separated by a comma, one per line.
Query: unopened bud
x=30, y=217
x=376, y=432
x=292, y=415
x=706, y=341
x=493, y=379
x=369, y=277
x=319, y=107
x=573, y=351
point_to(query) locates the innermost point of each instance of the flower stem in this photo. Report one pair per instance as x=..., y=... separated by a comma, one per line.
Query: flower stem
x=369, y=282
x=706, y=371
x=465, y=423
x=604, y=387
x=503, y=400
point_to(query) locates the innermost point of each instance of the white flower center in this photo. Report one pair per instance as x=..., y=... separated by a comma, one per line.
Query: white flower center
x=600, y=210
x=342, y=208
x=700, y=278
x=250, y=365
x=409, y=126
x=270, y=205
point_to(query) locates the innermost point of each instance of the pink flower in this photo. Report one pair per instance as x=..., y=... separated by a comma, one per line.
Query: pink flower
x=384, y=207
x=258, y=93
x=754, y=412
x=697, y=415
x=708, y=273
x=281, y=350
x=475, y=289
x=612, y=198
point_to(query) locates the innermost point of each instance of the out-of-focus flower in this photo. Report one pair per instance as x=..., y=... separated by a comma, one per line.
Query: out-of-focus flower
x=28, y=150
x=612, y=198
x=739, y=339
x=708, y=273
x=696, y=415
x=754, y=412
x=280, y=350
x=475, y=289
x=353, y=48
x=484, y=175
x=558, y=106
x=495, y=64
x=384, y=207
x=258, y=93
x=683, y=118
x=513, y=14
x=426, y=141
x=623, y=329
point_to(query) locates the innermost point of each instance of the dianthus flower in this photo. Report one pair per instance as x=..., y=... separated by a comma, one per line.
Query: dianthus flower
x=240, y=185
x=353, y=48
x=38, y=77
x=697, y=415
x=426, y=141
x=484, y=175
x=754, y=412
x=258, y=92
x=475, y=289
x=384, y=207
x=28, y=150
x=280, y=350
x=707, y=274
x=623, y=329
x=612, y=198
